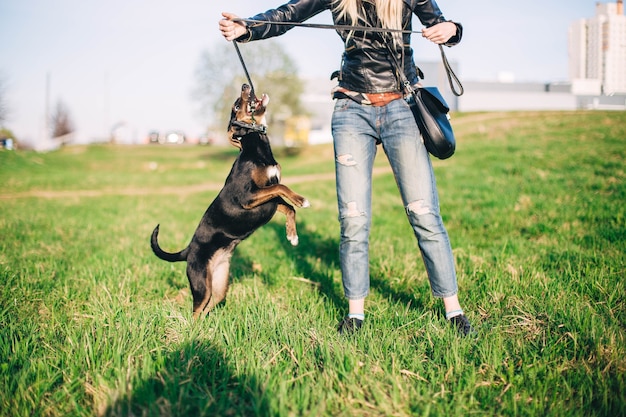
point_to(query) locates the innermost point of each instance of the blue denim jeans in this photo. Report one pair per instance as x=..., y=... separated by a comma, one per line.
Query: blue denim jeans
x=357, y=130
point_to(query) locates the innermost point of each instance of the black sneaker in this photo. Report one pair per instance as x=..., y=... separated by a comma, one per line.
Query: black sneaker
x=463, y=325
x=349, y=325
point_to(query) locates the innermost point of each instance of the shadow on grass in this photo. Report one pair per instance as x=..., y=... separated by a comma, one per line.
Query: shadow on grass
x=413, y=299
x=315, y=249
x=315, y=258
x=195, y=379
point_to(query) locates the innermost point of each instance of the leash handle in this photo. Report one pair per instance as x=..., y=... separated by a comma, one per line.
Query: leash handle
x=452, y=78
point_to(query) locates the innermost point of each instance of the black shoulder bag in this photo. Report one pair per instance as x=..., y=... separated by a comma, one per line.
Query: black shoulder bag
x=431, y=110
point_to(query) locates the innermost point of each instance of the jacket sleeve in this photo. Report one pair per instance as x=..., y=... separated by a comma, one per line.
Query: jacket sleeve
x=294, y=11
x=429, y=14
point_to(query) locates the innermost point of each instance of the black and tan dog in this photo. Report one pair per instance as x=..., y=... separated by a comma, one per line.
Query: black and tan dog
x=250, y=197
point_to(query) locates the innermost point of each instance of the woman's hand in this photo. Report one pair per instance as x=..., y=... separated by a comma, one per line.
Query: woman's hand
x=440, y=33
x=231, y=30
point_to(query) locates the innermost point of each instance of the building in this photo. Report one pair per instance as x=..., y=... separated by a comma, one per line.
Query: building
x=597, y=52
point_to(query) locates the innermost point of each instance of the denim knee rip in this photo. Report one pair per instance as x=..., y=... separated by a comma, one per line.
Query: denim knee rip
x=346, y=160
x=419, y=207
x=352, y=210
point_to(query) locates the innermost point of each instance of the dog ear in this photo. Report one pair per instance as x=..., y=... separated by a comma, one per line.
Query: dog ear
x=261, y=105
x=233, y=113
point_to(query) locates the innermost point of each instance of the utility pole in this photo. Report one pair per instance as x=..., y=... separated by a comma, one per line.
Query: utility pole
x=46, y=122
x=107, y=108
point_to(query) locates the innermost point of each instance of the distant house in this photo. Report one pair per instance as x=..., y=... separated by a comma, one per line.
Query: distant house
x=478, y=96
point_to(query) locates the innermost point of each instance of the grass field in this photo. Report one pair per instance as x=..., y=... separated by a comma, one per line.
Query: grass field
x=92, y=323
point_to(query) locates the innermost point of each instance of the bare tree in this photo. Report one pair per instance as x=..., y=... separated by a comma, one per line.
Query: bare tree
x=61, y=122
x=219, y=77
x=4, y=110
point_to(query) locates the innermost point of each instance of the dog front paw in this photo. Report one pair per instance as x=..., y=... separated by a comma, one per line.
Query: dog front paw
x=293, y=240
x=301, y=202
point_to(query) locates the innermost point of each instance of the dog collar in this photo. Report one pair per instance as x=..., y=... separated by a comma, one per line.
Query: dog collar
x=253, y=127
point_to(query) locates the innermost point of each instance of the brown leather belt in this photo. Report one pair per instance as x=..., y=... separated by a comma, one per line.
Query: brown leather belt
x=382, y=99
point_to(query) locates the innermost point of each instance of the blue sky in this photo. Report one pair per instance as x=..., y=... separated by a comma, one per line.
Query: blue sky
x=134, y=61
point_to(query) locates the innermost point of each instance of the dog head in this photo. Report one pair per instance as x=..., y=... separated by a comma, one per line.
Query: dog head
x=247, y=114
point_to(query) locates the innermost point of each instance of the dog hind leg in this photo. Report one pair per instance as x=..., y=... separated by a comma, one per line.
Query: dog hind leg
x=200, y=287
x=209, y=284
x=219, y=267
x=290, y=213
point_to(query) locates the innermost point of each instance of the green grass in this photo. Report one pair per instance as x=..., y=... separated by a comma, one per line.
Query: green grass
x=92, y=323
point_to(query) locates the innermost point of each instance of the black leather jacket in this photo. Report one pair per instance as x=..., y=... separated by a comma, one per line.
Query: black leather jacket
x=367, y=66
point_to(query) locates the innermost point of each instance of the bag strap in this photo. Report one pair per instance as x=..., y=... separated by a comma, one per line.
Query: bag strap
x=399, y=70
x=452, y=78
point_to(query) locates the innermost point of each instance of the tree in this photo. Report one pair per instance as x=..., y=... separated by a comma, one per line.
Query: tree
x=61, y=122
x=5, y=133
x=220, y=75
x=4, y=110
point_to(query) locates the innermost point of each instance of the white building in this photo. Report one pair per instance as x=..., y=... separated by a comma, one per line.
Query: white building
x=597, y=51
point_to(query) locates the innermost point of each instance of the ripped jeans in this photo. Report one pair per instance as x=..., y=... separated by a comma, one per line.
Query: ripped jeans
x=356, y=131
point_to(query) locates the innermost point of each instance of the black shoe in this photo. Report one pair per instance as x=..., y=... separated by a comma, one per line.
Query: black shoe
x=463, y=325
x=349, y=325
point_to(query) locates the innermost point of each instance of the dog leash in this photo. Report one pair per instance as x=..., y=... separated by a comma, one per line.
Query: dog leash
x=324, y=26
x=245, y=69
x=452, y=77
x=253, y=126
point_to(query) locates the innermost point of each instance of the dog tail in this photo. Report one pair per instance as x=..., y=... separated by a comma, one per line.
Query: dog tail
x=166, y=256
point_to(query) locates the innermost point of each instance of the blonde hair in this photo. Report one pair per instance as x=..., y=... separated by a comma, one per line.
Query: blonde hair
x=389, y=13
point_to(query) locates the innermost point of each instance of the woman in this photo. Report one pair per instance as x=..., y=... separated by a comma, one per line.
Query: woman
x=371, y=110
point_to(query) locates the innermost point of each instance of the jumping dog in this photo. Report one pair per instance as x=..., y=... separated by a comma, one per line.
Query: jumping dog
x=250, y=197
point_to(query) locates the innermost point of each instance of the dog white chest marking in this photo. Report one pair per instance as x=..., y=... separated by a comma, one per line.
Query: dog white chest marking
x=273, y=172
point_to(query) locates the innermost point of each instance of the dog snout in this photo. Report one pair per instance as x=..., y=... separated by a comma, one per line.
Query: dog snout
x=246, y=90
